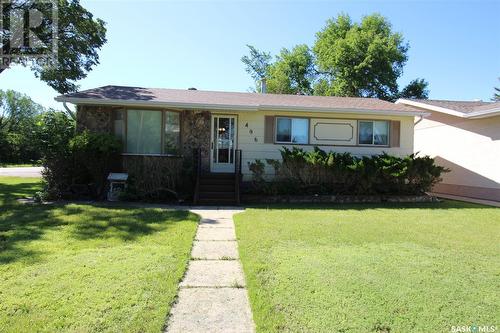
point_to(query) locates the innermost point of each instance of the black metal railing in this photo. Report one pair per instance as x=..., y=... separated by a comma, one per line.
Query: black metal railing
x=237, y=175
x=197, y=155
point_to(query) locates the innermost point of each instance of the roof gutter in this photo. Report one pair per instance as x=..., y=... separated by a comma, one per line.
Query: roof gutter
x=470, y=115
x=181, y=105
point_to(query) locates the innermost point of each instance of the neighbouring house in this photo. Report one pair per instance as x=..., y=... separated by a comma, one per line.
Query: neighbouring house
x=464, y=137
x=162, y=130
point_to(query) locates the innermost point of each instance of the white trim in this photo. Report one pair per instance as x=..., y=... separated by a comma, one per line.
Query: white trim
x=388, y=145
x=232, y=107
x=222, y=167
x=475, y=114
x=342, y=110
x=291, y=133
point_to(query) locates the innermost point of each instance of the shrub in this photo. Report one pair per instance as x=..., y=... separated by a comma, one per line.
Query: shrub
x=323, y=172
x=54, y=131
x=96, y=153
x=74, y=165
x=153, y=178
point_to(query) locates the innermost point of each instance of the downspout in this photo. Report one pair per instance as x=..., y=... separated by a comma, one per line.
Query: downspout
x=69, y=112
x=421, y=118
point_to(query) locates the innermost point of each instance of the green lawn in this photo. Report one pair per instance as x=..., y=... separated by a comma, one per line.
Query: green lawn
x=359, y=268
x=85, y=268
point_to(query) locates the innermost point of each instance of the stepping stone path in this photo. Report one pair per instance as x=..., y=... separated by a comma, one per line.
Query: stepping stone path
x=212, y=296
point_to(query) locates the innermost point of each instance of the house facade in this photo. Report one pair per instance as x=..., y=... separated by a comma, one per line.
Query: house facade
x=464, y=137
x=231, y=130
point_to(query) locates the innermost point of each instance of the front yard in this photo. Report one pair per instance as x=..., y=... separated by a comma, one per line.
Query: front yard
x=85, y=268
x=363, y=268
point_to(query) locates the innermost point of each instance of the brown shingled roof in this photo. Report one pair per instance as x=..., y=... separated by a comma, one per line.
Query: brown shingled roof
x=230, y=99
x=460, y=106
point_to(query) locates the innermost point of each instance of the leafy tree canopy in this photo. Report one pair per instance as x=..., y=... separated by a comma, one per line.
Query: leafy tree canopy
x=19, y=119
x=257, y=63
x=415, y=89
x=79, y=37
x=347, y=59
x=293, y=72
x=16, y=109
x=496, y=96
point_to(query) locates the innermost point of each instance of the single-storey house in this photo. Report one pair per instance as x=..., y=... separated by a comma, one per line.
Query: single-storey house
x=464, y=137
x=230, y=129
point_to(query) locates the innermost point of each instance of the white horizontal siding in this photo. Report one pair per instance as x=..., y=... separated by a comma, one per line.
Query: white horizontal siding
x=251, y=138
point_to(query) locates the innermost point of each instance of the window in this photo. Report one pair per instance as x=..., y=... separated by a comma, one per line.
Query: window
x=292, y=130
x=172, y=140
x=143, y=132
x=374, y=133
x=148, y=132
x=119, y=124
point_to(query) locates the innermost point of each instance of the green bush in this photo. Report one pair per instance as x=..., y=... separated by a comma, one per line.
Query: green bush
x=54, y=132
x=75, y=166
x=321, y=172
x=96, y=153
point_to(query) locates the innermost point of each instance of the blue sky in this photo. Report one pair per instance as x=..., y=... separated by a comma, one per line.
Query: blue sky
x=455, y=45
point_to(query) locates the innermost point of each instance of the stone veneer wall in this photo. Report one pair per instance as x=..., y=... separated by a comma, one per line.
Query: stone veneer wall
x=195, y=128
x=94, y=118
x=195, y=133
x=160, y=171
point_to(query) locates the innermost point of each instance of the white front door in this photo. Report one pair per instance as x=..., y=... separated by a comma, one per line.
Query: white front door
x=223, y=143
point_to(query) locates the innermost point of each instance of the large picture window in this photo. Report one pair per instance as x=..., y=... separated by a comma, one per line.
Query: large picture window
x=147, y=131
x=374, y=133
x=292, y=130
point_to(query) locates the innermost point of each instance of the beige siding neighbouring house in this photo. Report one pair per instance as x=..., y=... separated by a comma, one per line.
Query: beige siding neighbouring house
x=470, y=148
x=464, y=137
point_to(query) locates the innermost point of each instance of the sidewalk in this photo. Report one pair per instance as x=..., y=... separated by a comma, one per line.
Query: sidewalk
x=212, y=296
x=466, y=199
x=32, y=172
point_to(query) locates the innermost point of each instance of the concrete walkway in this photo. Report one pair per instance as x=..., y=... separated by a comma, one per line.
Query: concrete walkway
x=467, y=199
x=212, y=296
x=32, y=172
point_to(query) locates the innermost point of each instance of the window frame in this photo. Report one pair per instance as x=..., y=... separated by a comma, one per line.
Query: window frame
x=162, y=124
x=388, y=122
x=275, y=136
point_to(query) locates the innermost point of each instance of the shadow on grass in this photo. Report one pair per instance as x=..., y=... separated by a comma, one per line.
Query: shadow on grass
x=10, y=192
x=125, y=223
x=22, y=224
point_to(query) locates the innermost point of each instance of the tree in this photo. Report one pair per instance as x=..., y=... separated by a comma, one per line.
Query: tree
x=79, y=37
x=415, y=89
x=257, y=63
x=496, y=96
x=18, y=118
x=293, y=72
x=348, y=59
x=15, y=109
x=363, y=59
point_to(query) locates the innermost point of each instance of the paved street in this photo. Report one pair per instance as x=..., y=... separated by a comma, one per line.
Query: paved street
x=22, y=172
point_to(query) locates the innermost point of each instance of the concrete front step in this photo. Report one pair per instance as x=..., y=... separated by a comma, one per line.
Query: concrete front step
x=210, y=250
x=211, y=310
x=214, y=273
x=217, y=195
